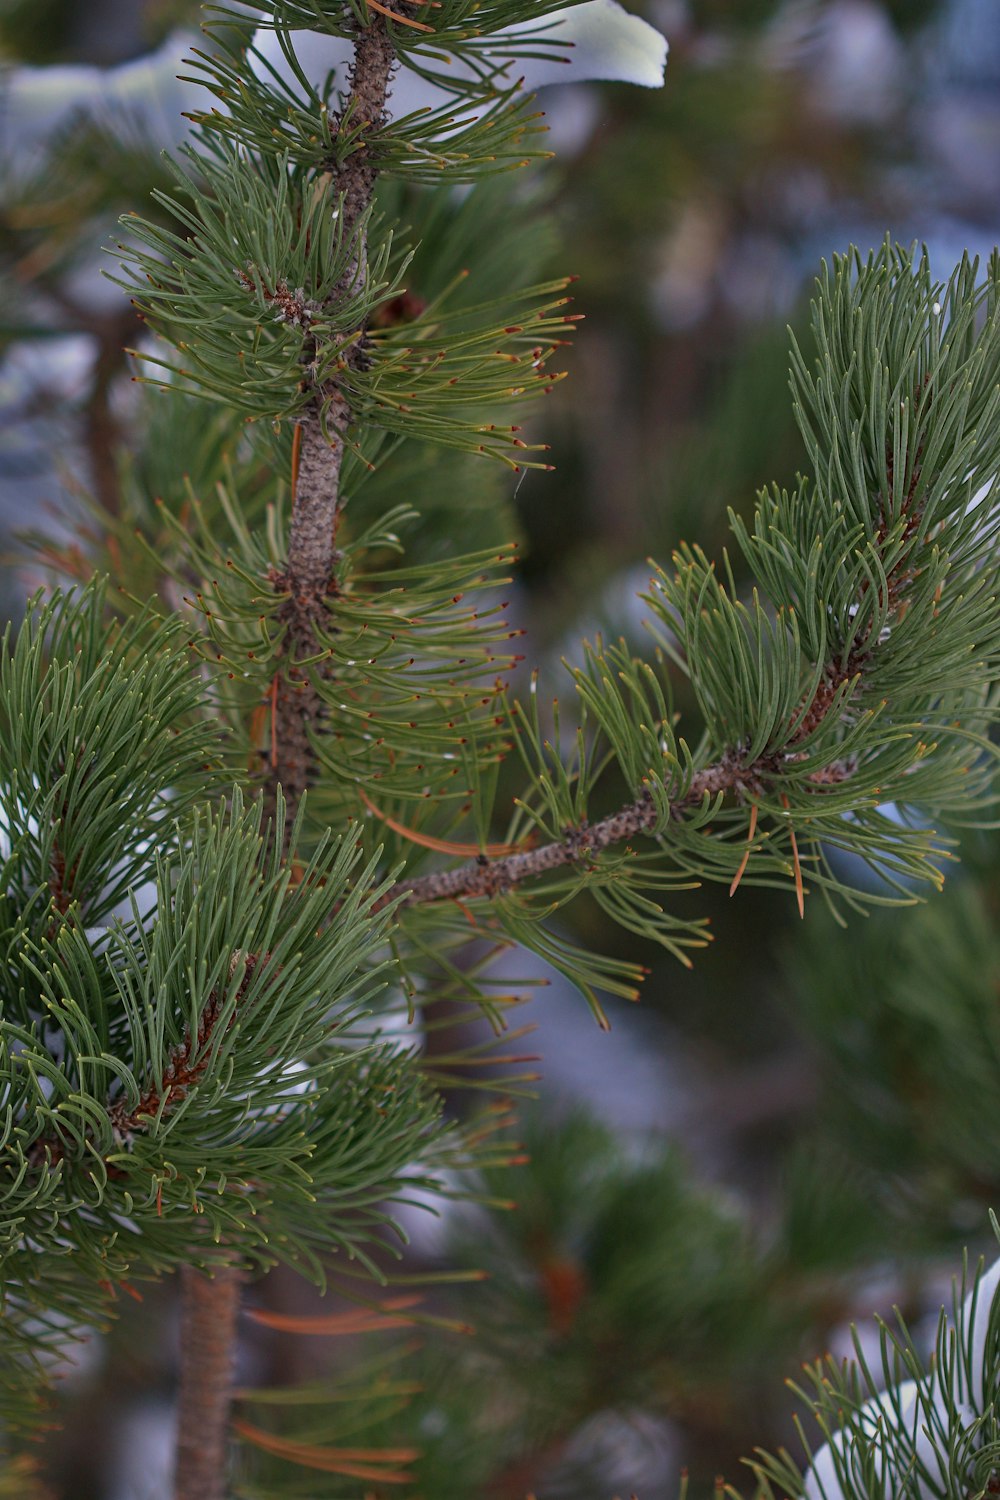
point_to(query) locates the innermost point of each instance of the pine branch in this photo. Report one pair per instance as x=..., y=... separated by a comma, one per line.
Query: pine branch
x=492, y=877
x=839, y=681
x=871, y=659
x=312, y=553
x=188, y=1060
x=488, y=877
x=187, y=1064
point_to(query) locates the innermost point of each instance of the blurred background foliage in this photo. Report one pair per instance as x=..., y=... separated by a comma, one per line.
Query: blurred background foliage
x=797, y=1131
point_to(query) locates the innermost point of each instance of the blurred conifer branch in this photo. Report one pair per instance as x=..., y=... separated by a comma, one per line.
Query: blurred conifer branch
x=204, y=1078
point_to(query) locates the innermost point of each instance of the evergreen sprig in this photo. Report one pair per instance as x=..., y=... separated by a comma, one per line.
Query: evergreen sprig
x=462, y=29
x=923, y=1428
x=910, y=1041
x=493, y=134
x=816, y=698
x=103, y=744
x=254, y=280
x=411, y=657
x=265, y=300
x=184, y=1082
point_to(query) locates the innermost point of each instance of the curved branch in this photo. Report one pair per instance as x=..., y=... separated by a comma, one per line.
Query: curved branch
x=487, y=877
x=491, y=877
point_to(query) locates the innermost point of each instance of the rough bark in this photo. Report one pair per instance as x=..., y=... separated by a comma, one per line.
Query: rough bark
x=491, y=877
x=308, y=577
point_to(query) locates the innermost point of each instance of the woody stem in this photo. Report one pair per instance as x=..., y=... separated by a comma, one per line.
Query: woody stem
x=308, y=577
x=210, y=1307
x=209, y=1312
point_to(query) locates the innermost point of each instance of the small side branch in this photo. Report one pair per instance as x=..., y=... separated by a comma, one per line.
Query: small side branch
x=188, y=1060
x=209, y=1306
x=488, y=877
x=186, y=1066
x=491, y=877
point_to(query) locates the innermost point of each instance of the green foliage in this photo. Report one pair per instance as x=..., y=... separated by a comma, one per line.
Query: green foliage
x=465, y=29
x=430, y=142
x=909, y=1035
x=198, y=1069
x=901, y=406
x=183, y=1085
x=407, y=665
x=251, y=317
x=301, y=291
x=616, y=1285
x=572, y=1319
x=868, y=664
x=907, y=1425
x=103, y=744
x=296, y=297
x=561, y=1268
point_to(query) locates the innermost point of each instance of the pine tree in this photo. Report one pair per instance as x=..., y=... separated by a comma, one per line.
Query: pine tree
x=250, y=798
